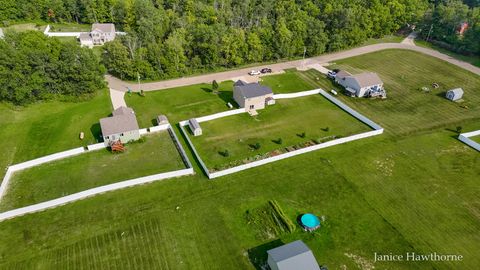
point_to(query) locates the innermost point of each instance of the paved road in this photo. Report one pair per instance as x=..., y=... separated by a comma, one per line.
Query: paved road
x=120, y=85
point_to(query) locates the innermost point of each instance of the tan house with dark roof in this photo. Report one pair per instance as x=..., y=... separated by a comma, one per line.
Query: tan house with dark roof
x=252, y=96
x=361, y=85
x=121, y=126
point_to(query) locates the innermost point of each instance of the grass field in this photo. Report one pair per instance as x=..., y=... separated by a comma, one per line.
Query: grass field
x=49, y=127
x=385, y=39
x=49, y=181
x=390, y=193
x=54, y=27
x=407, y=108
x=70, y=27
x=25, y=27
x=180, y=103
x=475, y=139
x=313, y=115
x=472, y=59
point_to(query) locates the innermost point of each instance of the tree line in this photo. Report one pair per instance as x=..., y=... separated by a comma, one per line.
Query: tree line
x=171, y=38
x=34, y=67
x=442, y=25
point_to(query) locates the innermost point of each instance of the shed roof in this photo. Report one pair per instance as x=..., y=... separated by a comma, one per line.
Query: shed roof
x=250, y=90
x=123, y=120
x=162, y=118
x=193, y=123
x=1, y=33
x=103, y=27
x=456, y=91
x=367, y=79
x=293, y=256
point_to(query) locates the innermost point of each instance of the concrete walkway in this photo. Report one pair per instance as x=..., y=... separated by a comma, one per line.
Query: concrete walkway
x=117, y=84
x=117, y=98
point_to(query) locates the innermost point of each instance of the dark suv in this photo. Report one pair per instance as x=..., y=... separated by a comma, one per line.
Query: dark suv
x=266, y=70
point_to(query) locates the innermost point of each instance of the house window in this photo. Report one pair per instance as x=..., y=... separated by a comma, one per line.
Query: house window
x=252, y=107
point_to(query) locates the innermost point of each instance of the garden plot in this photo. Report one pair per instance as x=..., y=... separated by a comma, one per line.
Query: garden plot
x=290, y=125
x=66, y=176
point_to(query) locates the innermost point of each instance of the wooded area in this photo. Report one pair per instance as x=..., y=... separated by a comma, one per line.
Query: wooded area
x=172, y=38
x=442, y=25
x=34, y=67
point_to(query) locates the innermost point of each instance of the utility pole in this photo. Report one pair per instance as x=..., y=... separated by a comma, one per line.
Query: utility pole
x=304, y=52
x=138, y=78
x=429, y=31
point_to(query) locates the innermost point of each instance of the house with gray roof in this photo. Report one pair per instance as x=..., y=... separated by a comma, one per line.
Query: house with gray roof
x=366, y=84
x=454, y=94
x=252, y=96
x=292, y=256
x=100, y=33
x=121, y=126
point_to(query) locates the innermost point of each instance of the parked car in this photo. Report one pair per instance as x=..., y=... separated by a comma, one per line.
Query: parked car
x=254, y=72
x=266, y=70
x=331, y=74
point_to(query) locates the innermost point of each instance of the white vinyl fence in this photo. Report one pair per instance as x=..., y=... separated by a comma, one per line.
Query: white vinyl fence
x=220, y=115
x=92, y=192
x=159, y=128
x=465, y=138
x=377, y=131
x=351, y=111
x=294, y=153
x=298, y=94
x=96, y=146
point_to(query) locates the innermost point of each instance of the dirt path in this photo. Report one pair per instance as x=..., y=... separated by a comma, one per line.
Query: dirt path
x=117, y=84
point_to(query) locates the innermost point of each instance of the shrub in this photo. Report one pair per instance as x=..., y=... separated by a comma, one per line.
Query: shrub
x=256, y=146
x=224, y=153
x=278, y=141
x=214, y=85
x=459, y=129
x=302, y=135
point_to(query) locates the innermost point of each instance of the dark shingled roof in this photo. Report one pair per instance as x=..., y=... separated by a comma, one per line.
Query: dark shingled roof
x=342, y=74
x=293, y=256
x=250, y=90
x=123, y=120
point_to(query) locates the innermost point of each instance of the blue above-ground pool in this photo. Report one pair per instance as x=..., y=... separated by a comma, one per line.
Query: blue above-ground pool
x=310, y=222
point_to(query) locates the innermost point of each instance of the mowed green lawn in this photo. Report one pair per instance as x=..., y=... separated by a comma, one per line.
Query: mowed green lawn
x=408, y=109
x=49, y=127
x=180, y=103
x=476, y=139
x=386, y=194
x=287, y=120
x=64, y=177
